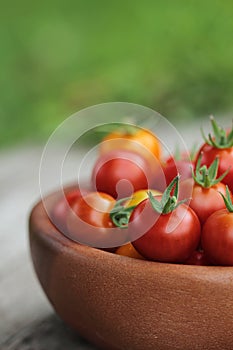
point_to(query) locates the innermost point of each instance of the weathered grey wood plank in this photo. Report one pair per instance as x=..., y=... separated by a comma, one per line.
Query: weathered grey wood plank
x=21, y=298
x=49, y=333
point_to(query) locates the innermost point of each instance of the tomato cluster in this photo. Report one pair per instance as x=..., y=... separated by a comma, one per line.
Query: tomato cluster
x=177, y=210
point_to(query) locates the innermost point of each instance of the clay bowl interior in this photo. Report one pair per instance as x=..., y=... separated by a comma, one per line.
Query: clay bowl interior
x=118, y=302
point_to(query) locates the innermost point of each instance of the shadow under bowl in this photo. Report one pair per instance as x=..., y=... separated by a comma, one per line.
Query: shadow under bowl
x=118, y=302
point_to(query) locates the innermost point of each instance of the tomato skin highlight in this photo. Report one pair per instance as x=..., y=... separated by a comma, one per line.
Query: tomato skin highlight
x=217, y=238
x=209, y=153
x=120, y=173
x=171, y=237
x=204, y=201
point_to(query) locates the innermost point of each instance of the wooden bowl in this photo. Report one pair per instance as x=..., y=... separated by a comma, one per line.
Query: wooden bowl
x=118, y=302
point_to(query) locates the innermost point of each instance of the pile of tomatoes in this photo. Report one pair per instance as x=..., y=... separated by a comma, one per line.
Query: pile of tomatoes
x=177, y=210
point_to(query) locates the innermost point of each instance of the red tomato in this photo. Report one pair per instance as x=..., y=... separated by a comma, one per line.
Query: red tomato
x=61, y=208
x=220, y=145
x=171, y=237
x=175, y=167
x=90, y=223
x=171, y=168
x=120, y=173
x=204, y=201
x=217, y=238
x=209, y=153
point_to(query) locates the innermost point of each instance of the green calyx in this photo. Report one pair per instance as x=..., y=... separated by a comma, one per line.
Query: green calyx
x=128, y=129
x=122, y=128
x=168, y=202
x=220, y=139
x=227, y=200
x=120, y=214
x=207, y=177
x=193, y=152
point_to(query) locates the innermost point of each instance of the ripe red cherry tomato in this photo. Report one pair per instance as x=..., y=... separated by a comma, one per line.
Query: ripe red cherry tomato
x=120, y=173
x=217, y=234
x=61, y=208
x=159, y=243
x=221, y=146
x=90, y=223
x=225, y=161
x=171, y=232
x=217, y=238
x=205, y=195
x=204, y=201
x=171, y=168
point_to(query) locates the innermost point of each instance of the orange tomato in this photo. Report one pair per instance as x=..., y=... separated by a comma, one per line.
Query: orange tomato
x=134, y=139
x=129, y=250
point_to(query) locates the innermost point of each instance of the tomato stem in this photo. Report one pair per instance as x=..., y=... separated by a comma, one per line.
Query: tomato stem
x=220, y=139
x=227, y=200
x=193, y=152
x=207, y=177
x=120, y=215
x=168, y=202
x=119, y=127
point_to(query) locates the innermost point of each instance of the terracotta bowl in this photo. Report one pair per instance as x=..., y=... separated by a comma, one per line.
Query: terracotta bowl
x=118, y=302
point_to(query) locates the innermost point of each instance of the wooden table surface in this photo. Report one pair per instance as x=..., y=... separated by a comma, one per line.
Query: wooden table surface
x=23, y=305
x=25, y=314
x=49, y=333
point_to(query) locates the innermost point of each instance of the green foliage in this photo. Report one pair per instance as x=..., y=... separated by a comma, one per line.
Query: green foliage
x=57, y=58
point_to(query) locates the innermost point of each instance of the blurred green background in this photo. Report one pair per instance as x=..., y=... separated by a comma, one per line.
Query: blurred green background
x=59, y=57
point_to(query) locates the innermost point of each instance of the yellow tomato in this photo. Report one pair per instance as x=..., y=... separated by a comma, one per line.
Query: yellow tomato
x=123, y=208
x=129, y=250
x=139, y=196
x=139, y=140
